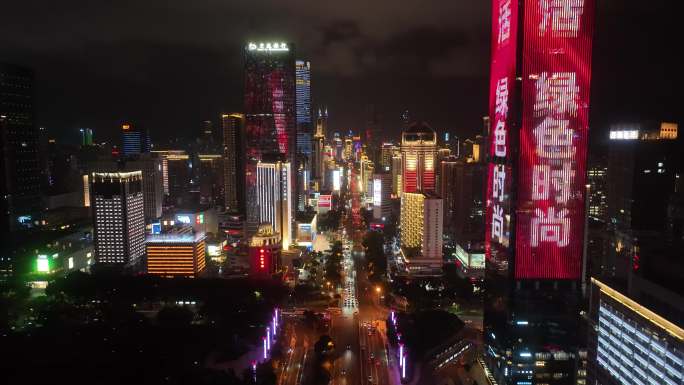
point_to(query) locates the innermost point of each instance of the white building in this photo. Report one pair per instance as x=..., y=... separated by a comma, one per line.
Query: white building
x=274, y=198
x=116, y=199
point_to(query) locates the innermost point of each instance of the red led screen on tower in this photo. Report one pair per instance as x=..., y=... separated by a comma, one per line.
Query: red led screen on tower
x=501, y=93
x=553, y=138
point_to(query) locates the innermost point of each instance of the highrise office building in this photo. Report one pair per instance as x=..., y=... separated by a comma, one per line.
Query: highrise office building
x=420, y=246
x=118, y=217
x=153, y=182
x=304, y=131
x=303, y=91
x=134, y=140
x=418, y=153
x=396, y=176
x=86, y=136
x=20, y=181
x=318, y=158
x=178, y=176
x=448, y=188
x=421, y=233
x=234, y=161
x=643, y=192
x=275, y=198
x=211, y=184
x=270, y=113
x=382, y=194
x=630, y=343
x=539, y=111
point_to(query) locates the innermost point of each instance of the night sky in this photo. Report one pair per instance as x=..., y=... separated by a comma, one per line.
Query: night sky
x=169, y=64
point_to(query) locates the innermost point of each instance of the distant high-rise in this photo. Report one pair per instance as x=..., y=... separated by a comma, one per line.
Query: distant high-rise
x=211, y=174
x=382, y=193
x=20, y=180
x=270, y=112
x=418, y=151
x=317, y=164
x=303, y=91
x=153, y=182
x=304, y=130
x=396, y=176
x=234, y=160
x=134, y=140
x=86, y=136
x=274, y=197
x=175, y=174
x=387, y=151
x=448, y=176
x=118, y=217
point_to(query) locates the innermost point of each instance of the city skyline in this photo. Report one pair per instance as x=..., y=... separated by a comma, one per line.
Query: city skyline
x=439, y=54
x=364, y=197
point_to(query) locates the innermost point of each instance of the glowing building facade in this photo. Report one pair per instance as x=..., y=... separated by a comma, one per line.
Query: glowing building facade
x=421, y=233
x=176, y=254
x=265, y=252
x=418, y=152
x=234, y=161
x=116, y=200
x=535, y=198
x=630, y=344
x=274, y=198
x=270, y=113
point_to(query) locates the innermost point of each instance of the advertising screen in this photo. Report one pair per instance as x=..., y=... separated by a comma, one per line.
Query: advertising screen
x=501, y=93
x=553, y=138
x=377, y=192
x=336, y=180
x=325, y=201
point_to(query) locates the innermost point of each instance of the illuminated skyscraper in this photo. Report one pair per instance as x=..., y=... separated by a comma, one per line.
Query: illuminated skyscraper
x=382, y=193
x=304, y=131
x=234, y=160
x=134, y=140
x=418, y=152
x=304, y=124
x=421, y=233
x=539, y=110
x=317, y=164
x=20, y=179
x=270, y=113
x=116, y=200
x=153, y=182
x=275, y=198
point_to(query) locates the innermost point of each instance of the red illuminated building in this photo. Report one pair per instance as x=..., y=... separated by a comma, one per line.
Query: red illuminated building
x=419, y=150
x=264, y=252
x=270, y=112
x=539, y=108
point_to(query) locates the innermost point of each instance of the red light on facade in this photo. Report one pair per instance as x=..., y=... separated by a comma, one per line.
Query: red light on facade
x=556, y=72
x=636, y=262
x=553, y=138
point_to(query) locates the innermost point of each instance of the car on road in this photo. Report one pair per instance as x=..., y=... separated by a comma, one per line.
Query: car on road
x=370, y=379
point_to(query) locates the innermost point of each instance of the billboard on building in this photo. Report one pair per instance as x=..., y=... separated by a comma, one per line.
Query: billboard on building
x=501, y=92
x=553, y=138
